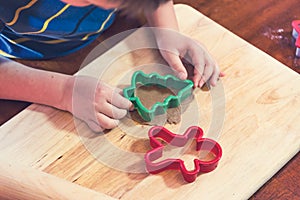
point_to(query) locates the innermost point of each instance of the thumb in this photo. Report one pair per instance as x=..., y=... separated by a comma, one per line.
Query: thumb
x=175, y=63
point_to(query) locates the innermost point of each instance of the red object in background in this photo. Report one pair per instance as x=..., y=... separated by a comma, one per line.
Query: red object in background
x=296, y=32
x=202, y=144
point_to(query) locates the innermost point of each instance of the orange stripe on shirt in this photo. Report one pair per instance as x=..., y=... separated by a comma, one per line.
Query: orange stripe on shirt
x=17, y=13
x=21, y=40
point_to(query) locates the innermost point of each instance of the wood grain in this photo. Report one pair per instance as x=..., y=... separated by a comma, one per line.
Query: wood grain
x=19, y=182
x=256, y=122
x=266, y=24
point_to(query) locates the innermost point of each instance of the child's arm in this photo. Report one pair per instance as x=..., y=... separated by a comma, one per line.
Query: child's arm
x=99, y=106
x=19, y=82
x=173, y=45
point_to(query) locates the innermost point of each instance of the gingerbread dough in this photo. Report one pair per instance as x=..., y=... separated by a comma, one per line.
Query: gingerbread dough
x=149, y=95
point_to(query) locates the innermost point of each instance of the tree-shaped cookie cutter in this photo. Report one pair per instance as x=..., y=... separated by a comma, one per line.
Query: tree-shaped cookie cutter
x=193, y=132
x=184, y=88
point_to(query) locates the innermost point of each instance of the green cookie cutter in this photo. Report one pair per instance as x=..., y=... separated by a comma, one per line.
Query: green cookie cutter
x=184, y=88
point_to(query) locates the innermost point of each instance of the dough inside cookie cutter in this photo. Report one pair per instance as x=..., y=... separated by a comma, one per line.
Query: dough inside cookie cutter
x=184, y=88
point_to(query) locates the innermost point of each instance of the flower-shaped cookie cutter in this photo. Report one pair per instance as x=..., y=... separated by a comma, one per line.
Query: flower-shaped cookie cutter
x=296, y=32
x=202, y=144
x=184, y=88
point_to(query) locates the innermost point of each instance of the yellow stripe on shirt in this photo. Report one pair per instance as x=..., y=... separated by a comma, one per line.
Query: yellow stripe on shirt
x=49, y=20
x=17, y=13
x=11, y=41
x=102, y=26
x=6, y=54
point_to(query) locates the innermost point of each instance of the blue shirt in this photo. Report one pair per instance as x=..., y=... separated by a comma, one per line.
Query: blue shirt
x=42, y=29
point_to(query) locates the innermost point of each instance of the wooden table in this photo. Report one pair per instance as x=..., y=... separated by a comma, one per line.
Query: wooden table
x=266, y=25
x=62, y=61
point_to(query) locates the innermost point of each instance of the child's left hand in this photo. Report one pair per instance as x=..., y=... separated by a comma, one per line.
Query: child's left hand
x=173, y=46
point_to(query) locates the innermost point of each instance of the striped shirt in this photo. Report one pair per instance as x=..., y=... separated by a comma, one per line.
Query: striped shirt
x=42, y=29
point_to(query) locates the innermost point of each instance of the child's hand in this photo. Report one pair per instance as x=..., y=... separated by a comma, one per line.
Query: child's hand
x=174, y=46
x=98, y=104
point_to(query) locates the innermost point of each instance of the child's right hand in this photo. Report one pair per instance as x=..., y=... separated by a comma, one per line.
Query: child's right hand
x=96, y=103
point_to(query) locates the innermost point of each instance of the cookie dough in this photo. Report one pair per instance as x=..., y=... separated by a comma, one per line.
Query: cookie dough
x=151, y=94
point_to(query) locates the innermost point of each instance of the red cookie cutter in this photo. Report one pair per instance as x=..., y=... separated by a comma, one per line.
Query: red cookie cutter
x=193, y=132
x=296, y=32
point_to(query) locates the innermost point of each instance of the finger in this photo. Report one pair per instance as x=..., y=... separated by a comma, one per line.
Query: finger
x=175, y=63
x=120, y=91
x=198, y=71
x=208, y=71
x=197, y=75
x=214, y=77
x=106, y=122
x=210, y=68
x=95, y=127
x=119, y=101
x=113, y=96
x=198, y=61
x=111, y=110
x=222, y=74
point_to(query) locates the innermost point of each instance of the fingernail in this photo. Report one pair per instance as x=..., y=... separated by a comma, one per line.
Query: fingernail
x=182, y=75
x=213, y=83
x=131, y=108
x=195, y=85
x=201, y=83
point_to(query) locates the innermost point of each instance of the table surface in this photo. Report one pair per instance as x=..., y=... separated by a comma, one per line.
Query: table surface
x=270, y=32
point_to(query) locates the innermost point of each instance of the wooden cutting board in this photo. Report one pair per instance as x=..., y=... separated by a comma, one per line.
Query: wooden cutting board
x=253, y=113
